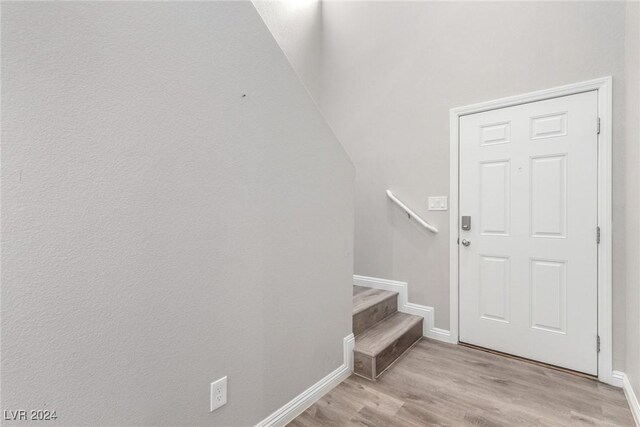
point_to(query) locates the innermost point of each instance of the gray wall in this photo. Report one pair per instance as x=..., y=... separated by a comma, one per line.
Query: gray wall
x=297, y=27
x=392, y=70
x=160, y=229
x=632, y=205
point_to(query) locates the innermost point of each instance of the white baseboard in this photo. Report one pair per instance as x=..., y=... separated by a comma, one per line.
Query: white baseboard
x=300, y=403
x=617, y=379
x=632, y=399
x=428, y=328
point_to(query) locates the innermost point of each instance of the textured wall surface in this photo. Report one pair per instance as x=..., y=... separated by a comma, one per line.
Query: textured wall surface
x=391, y=71
x=632, y=205
x=174, y=209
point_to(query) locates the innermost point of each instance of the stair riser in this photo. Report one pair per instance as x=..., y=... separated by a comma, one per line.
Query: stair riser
x=371, y=367
x=369, y=317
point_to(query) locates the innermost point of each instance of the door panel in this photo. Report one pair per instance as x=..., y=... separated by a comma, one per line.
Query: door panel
x=528, y=280
x=548, y=295
x=495, y=197
x=548, y=196
x=494, y=288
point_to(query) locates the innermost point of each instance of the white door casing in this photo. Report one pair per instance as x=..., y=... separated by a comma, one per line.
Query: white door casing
x=604, y=87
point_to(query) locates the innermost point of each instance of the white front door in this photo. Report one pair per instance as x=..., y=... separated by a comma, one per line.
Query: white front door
x=528, y=277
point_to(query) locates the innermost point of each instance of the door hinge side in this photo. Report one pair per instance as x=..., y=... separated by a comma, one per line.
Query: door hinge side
x=598, y=125
x=598, y=234
x=598, y=344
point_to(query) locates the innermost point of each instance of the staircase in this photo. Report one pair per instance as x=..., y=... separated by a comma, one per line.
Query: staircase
x=382, y=333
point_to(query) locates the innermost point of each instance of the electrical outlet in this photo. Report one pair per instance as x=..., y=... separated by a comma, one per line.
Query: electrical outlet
x=218, y=393
x=438, y=203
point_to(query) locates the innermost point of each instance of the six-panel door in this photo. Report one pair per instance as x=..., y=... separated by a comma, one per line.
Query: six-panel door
x=528, y=280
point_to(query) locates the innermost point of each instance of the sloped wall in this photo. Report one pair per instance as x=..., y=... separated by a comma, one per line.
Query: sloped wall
x=174, y=209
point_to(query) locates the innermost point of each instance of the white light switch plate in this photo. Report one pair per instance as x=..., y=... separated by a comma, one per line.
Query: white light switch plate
x=218, y=393
x=438, y=203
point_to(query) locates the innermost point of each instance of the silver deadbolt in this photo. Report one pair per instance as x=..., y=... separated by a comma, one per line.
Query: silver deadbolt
x=466, y=223
x=466, y=242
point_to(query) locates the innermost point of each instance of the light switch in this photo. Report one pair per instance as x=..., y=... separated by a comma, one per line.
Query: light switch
x=438, y=203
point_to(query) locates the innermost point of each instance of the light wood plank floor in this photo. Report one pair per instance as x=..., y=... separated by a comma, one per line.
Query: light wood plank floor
x=444, y=384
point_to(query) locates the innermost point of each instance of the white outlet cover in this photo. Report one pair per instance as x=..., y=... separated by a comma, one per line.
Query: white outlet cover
x=438, y=203
x=218, y=393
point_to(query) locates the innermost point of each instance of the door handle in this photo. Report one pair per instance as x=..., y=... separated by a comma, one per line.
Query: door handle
x=466, y=242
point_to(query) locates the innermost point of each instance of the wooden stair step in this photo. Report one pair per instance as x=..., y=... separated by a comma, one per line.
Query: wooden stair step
x=371, y=306
x=365, y=298
x=382, y=344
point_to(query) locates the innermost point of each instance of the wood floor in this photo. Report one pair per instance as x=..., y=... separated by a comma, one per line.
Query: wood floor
x=444, y=384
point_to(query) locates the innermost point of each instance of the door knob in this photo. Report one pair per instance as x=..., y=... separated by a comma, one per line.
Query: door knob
x=466, y=242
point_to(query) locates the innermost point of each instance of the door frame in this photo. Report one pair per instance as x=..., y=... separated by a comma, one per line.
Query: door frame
x=604, y=87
